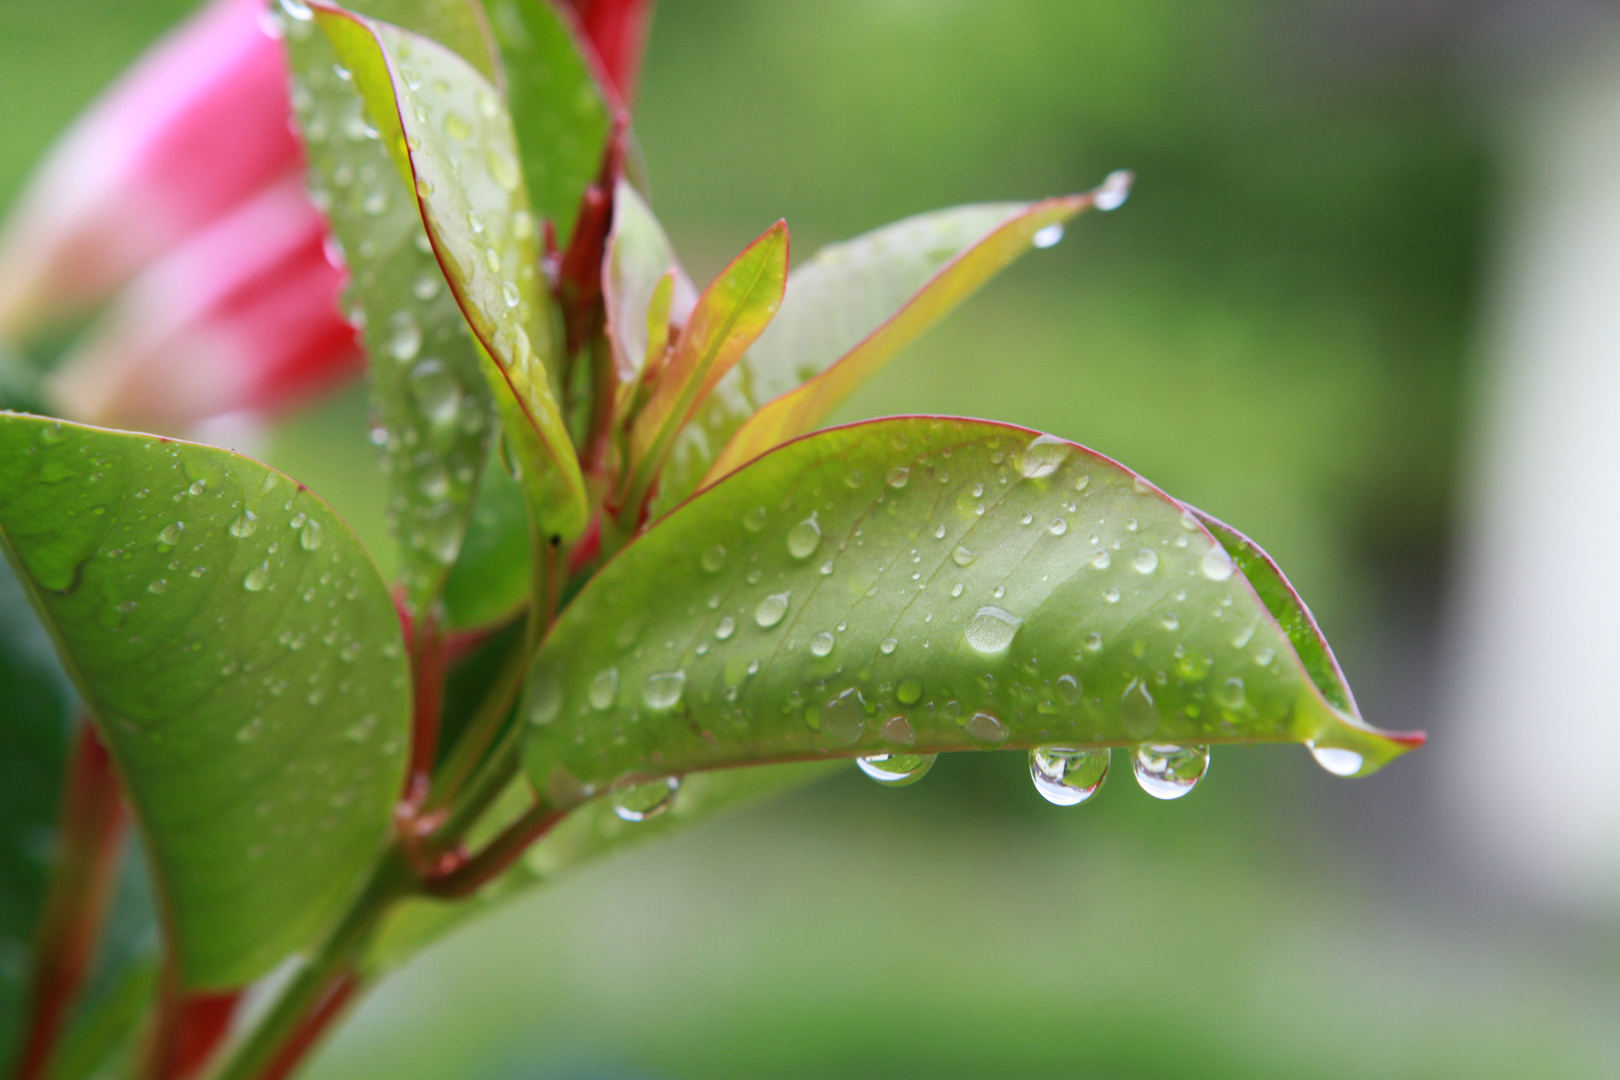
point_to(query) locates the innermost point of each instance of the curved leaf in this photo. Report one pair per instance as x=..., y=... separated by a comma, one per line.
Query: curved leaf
x=558, y=111
x=458, y=25
x=639, y=257
x=452, y=141
x=491, y=578
x=923, y=584
x=731, y=313
x=434, y=408
x=846, y=312
x=244, y=664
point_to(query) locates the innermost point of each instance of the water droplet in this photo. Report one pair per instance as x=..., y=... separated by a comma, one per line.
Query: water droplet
x=1111, y=595
x=1146, y=561
x=985, y=728
x=822, y=644
x=250, y=730
x=638, y=802
x=1093, y=642
x=424, y=188
x=1168, y=771
x=844, y=718
x=888, y=645
x=1058, y=527
x=771, y=609
x=198, y=487
x=962, y=556
x=1217, y=564
x=257, y=579
x=1068, y=777
x=1115, y=189
x=1047, y=236
x=502, y=169
x=435, y=391
x=297, y=9
x=158, y=587
x=1103, y=560
x=405, y=339
x=897, y=730
x=1263, y=657
x=896, y=770
x=956, y=590
x=664, y=689
x=1137, y=712
x=604, y=689
x=726, y=627
x=991, y=629
x=311, y=536
x=1171, y=621
x=171, y=533
x=898, y=476
x=714, y=559
x=1230, y=693
x=1336, y=760
x=1068, y=689
x=804, y=538
x=754, y=520
x=510, y=296
x=1043, y=456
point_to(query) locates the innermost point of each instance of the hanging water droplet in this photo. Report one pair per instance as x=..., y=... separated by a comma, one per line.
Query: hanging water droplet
x=822, y=644
x=714, y=559
x=771, y=609
x=1168, y=771
x=1068, y=689
x=1217, y=564
x=1047, y=235
x=1043, y=456
x=1337, y=760
x=604, y=689
x=962, y=556
x=1115, y=189
x=898, y=476
x=726, y=627
x=888, y=645
x=804, y=538
x=991, y=629
x=664, y=689
x=986, y=728
x=896, y=770
x=1068, y=777
x=844, y=718
x=1146, y=561
x=257, y=579
x=171, y=533
x=638, y=802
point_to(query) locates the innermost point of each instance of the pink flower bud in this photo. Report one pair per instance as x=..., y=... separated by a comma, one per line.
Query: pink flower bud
x=617, y=30
x=196, y=126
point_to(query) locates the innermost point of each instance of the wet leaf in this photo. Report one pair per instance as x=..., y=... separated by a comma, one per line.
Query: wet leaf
x=244, y=663
x=458, y=25
x=916, y=584
x=639, y=258
x=35, y=729
x=558, y=112
x=727, y=318
x=452, y=140
x=432, y=403
x=846, y=312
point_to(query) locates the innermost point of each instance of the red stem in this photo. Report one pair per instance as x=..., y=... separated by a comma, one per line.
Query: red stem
x=187, y=1029
x=428, y=665
x=469, y=875
x=92, y=826
x=309, y=1032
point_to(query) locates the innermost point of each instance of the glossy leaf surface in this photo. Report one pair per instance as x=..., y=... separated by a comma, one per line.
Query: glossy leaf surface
x=728, y=316
x=921, y=584
x=846, y=312
x=490, y=580
x=36, y=713
x=458, y=25
x=452, y=140
x=639, y=256
x=244, y=663
x=561, y=121
x=432, y=401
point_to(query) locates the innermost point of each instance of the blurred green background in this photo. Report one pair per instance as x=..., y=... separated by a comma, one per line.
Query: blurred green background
x=1276, y=328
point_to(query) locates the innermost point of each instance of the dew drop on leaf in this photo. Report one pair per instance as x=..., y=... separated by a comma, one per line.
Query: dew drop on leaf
x=822, y=644
x=1146, y=561
x=257, y=579
x=1217, y=564
x=844, y=718
x=664, y=689
x=991, y=629
x=771, y=609
x=896, y=770
x=1169, y=771
x=725, y=628
x=244, y=526
x=986, y=728
x=604, y=689
x=1338, y=761
x=638, y=802
x=1047, y=236
x=1043, y=456
x=1068, y=689
x=804, y=538
x=714, y=559
x=962, y=556
x=1068, y=777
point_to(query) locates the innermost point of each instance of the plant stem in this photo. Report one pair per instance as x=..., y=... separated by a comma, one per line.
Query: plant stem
x=92, y=826
x=427, y=670
x=301, y=1001
x=501, y=853
x=482, y=730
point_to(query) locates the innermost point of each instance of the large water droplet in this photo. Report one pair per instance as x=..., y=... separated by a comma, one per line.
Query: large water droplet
x=1217, y=564
x=1137, y=712
x=844, y=718
x=771, y=609
x=1048, y=235
x=804, y=538
x=1146, y=561
x=1068, y=689
x=244, y=526
x=1168, y=771
x=1068, y=777
x=898, y=476
x=663, y=689
x=1043, y=456
x=896, y=770
x=257, y=579
x=962, y=556
x=991, y=629
x=311, y=536
x=638, y=802
x=725, y=627
x=986, y=728
x=822, y=644
x=171, y=533
x=1336, y=760
x=604, y=689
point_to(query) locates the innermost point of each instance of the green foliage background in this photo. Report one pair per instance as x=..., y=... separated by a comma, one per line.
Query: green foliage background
x=1274, y=328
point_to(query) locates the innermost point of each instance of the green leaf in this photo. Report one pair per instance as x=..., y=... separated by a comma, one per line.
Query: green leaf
x=490, y=581
x=558, y=111
x=916, y=584
x=432, y=403
x=244, y=664
x=639, y=257
x=847, y=311
x=458, y=25
x=589, y=833
x=452, y=141
x=730, y=314
x=35, y=729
